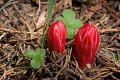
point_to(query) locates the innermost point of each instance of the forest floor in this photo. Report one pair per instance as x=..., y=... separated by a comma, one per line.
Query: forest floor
x=20, y=30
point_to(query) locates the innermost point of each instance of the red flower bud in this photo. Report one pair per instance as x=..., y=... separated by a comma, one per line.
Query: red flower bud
x=86, y=43
x=56, y=37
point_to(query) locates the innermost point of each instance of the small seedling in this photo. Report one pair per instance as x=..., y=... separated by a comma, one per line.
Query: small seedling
x=36, y=56
x=68, y=18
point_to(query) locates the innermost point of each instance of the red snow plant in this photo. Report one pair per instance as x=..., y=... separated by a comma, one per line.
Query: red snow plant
x=86, y=44
x=56, y=37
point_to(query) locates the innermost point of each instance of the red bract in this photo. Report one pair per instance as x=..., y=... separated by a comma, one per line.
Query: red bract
x=86, y=43
x=56, y=37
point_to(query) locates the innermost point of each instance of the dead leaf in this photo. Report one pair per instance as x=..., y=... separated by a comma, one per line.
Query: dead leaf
x=92, y=10
x=67, y=2
x=41, y=20
x=117, y=63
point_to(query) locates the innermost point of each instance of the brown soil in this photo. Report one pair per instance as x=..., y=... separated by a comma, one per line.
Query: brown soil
x=18, y=32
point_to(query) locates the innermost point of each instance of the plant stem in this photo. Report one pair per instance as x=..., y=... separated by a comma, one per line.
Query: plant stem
x=50, y=6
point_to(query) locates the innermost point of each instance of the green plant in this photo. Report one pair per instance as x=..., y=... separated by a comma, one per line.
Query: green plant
x=50, y=6
x=36, y=56
x=68, y=18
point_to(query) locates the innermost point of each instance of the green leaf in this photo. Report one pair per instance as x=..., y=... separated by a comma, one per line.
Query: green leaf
x=36, y=63
x=70, y=33
x=63, y=20
x=40, y=54
x=29, y=53
x=43, y=37
x=70, y=22
x=50, y=6
x=69, y=15
x=75, y=24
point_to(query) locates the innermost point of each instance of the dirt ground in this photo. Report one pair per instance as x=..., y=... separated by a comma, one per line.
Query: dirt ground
x=20, y=30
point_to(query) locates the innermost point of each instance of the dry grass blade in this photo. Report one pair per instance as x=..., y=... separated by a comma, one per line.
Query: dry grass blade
x=13, y=31
x=65, y=64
